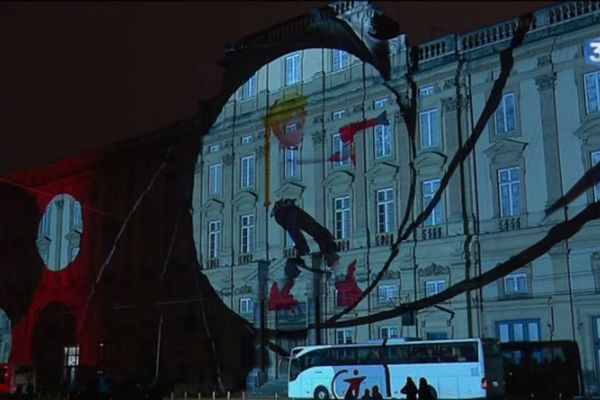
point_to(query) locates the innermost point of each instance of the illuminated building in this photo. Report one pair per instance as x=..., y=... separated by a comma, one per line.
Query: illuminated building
x=540, y=140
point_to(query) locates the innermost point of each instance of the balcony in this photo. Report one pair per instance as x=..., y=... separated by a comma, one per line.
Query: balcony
x=342, y=245
x=212, y=263
x=508, y=224
x=290, y=252
x=384, y=239
x=431, y=233
x=245, y=258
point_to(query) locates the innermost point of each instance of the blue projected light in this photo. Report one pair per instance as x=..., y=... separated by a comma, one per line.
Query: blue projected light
x=592, y=52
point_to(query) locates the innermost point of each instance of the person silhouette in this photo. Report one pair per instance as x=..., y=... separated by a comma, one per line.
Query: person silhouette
x=410, y=389
x=375, y=393
x=425, y=390
x=367, y=395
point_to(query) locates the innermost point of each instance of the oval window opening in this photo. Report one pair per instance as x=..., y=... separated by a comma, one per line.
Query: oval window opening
x=60, y=231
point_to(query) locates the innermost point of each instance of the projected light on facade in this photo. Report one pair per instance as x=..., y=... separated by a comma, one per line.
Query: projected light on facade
x=302, y=128
x=60, y=230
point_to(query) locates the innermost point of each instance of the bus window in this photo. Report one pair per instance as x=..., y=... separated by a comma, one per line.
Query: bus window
x=316, y=358
x=467, y=352
x=423, y=353
x=448, y=352
x=396, y=355
x=344, y=356
x=368, y=355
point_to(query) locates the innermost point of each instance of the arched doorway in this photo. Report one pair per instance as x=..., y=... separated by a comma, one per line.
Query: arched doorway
x=55, y=349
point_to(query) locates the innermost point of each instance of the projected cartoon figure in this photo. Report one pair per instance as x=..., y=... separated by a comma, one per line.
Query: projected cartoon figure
x=290, y=112
x=347, y=134
x=286, y=118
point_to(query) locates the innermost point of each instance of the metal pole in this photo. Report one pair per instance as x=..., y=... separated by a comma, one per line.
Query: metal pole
x=158, y=343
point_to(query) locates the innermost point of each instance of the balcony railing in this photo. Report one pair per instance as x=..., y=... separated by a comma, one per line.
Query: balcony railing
x=289, y=252
x=508, y=224
x=431, y=233
x=384, y=239
x=245, y=258
x=342, y=245
x=212, y=263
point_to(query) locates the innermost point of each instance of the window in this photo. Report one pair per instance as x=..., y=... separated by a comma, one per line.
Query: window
x=592, y=92
x=292, y=69
x=383, y=141
x=291, y=166
x=73, y=252
x=214, y=179
x=515, y=284
x=247, y=171
x=509, y=189
x=518, y=330
x=437, y=214
x=386, y=332
x=385, y=210
x=246, y=139
x=341, y=59
x=76, y=214
x=426, y=91
x=344, y=336
x=387, y=293
x=342, y=217
x=380, y=103
x=337, y=115
x=506, y=119
x=247, y=238
x=214, y=148
x=595, y=160
x=339, y=147
x=430, y=128
x=434, y=287
x=214, y=238
x=288, y=242
x=249, y=88
x=71, y=356
x=46, y=220
x=246, y=306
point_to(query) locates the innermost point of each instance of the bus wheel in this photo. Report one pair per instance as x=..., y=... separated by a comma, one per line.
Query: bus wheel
x=321, y=393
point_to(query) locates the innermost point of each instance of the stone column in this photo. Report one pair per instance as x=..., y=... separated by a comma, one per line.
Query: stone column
x=454, y=140
x=228, y=223
x=318, y=139
x=261, y=219
x=545, y=85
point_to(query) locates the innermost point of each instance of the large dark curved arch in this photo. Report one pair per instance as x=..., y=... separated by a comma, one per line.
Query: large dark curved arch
x=20, y=265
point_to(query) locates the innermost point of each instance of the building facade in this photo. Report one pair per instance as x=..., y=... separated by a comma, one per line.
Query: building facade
x=111, y=250
x=540, y=140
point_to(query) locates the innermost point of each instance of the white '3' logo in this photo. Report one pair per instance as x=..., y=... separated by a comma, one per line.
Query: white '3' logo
x=595, y=53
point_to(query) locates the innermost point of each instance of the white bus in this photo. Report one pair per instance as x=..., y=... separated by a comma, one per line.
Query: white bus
x=456, y=369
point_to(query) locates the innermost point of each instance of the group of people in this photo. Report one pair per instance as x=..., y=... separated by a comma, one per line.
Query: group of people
x=423, y=392
x=373, y=394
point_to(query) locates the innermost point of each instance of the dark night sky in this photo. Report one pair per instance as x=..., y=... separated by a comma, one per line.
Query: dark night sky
x=78, y=75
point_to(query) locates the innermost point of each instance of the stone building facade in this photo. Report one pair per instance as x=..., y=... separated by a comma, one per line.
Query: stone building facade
x=542, y=137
